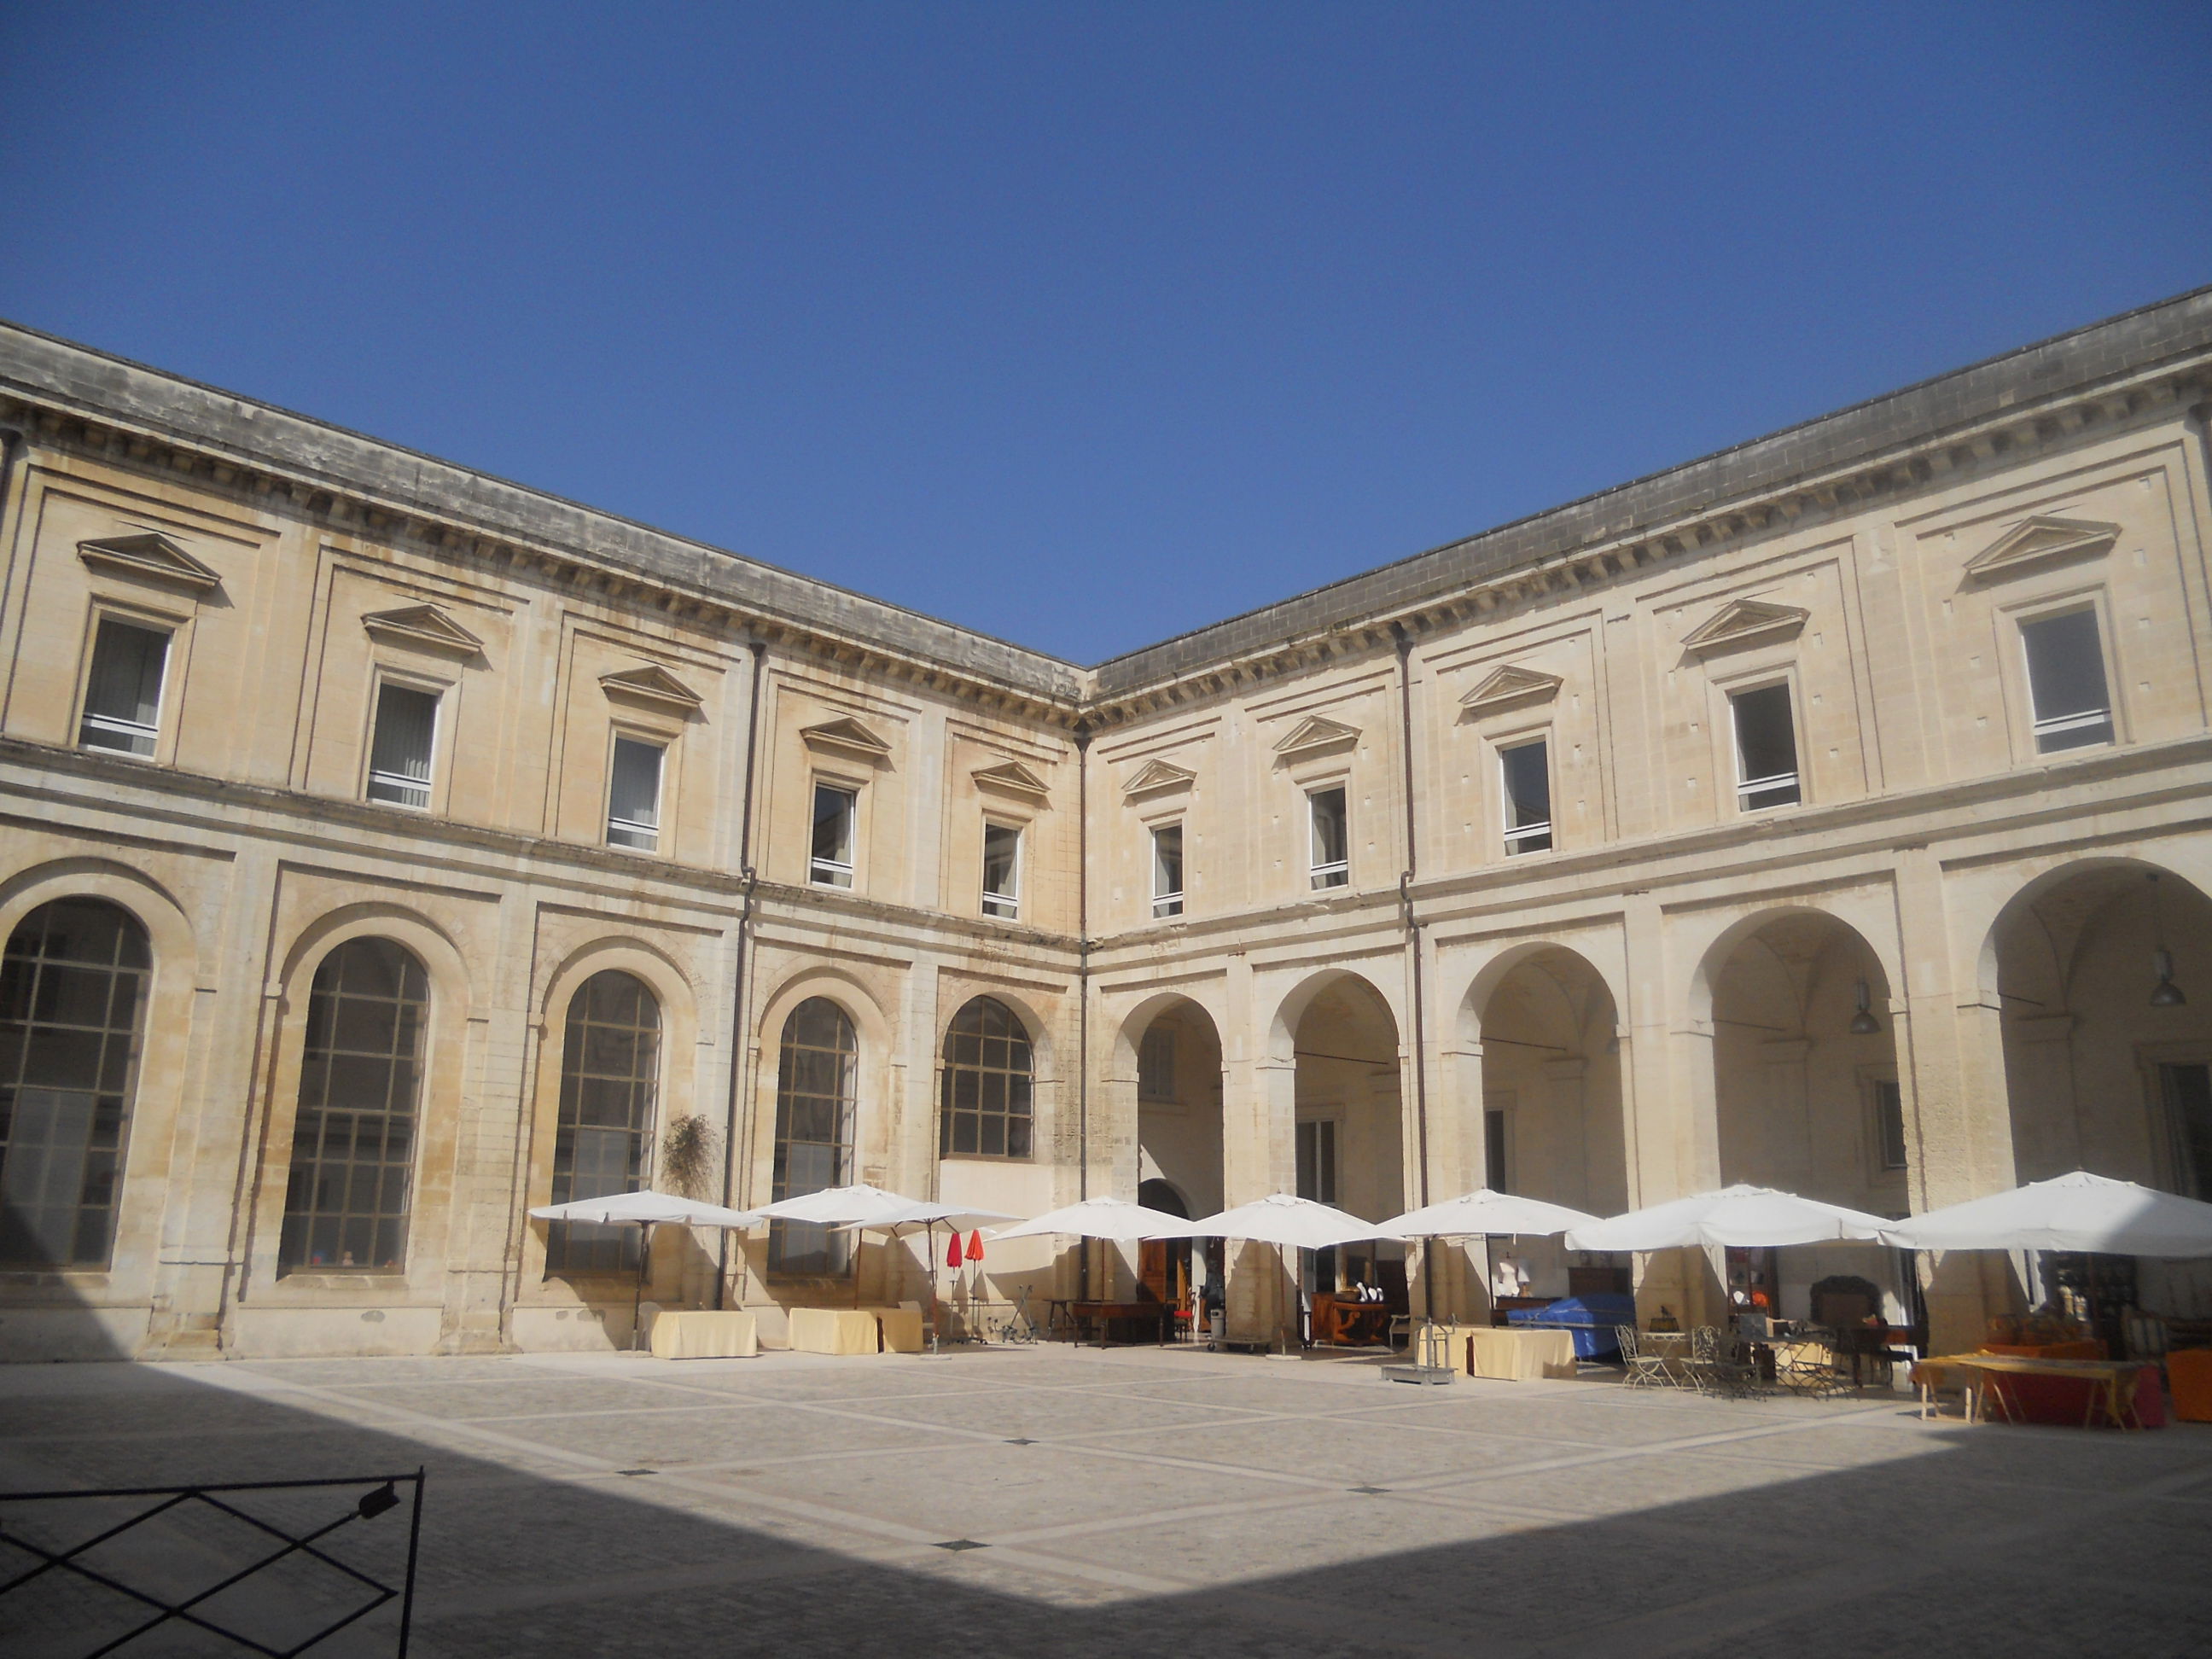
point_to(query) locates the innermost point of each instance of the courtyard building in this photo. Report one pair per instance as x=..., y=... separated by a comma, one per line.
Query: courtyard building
x=390, y=849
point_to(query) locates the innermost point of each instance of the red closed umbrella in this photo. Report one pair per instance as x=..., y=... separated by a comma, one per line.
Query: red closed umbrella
x=952, y=1252
x=974, y=1246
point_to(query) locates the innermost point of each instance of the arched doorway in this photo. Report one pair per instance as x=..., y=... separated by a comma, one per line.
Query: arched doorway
x=1552, y=1112
x=1179, y=1151
x=2104, y=977
x=1348, y=1146
x=1807, y=1098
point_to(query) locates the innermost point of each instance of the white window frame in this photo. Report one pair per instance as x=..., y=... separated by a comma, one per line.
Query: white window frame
x=172, y=631
x=1166, y=903
x=653, y=831
x=1746, y=788
x=1513, y=836
x=436, y=691
x=1004, y=905
x=2026, y=617
x=827, y=873
x=1324, y=877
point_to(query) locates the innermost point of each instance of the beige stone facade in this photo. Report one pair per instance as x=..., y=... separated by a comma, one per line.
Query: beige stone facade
x=1869, y=810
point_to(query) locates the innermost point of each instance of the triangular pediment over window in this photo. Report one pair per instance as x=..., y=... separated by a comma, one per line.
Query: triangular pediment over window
x=149, y=554
x=1510, y=688
x=1317, y=734
x=425, y=627
x=1012, y=778
x=1744, y=622
x=847, y=738
x=2034, y=541
x=654, y=686
x=1157, y=777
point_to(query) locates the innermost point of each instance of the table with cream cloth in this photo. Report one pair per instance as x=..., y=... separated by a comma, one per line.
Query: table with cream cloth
x=704, y=1335
x=834, y=1330
x=901, y=1328
x=1519, y=1354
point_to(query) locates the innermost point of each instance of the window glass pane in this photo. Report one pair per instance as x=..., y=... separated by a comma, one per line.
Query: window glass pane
x=123, y=696
x=1327, y=810
x=1525, y=773
x=1493, y=1141
x=2066, y=681
x=1156, y=1064
x=817, y=1080
x=634, y=797
x=985, y=1105
x=833, y=836
x=353, y=1140
x=1167, y=860
x=1766, y=746
x=399, y=754
x=72, y=990
x=1889, y=1123
x=2189, y=1100
x=609, y=1067
x=1001, y=869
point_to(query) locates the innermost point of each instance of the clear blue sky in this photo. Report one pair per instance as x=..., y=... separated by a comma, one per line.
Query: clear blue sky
x=1083, y=324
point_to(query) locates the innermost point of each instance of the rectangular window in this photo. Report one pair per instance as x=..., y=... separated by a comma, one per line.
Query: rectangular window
x=634, y=797
x=1332, y=865
x=1156, y=1064
x=832, y=862
x=1889, y=1123
x=1316, y=1159
x=123, y=697
x=1525, y=776
x=1002, y=870
x=1766, y=749
x=2188, y=1091
x=2066, y=682
x=399, y=750
x=1167, y=870
x=1493, y=1146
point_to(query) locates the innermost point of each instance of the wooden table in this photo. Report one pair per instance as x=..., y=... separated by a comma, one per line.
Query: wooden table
x=2111, y=1396
x=1520, y=1354
x=1342, y=1321
x=1103, y=1313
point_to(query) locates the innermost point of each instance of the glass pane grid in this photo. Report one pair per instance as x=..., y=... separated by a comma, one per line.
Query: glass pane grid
x=816, y=1089
x=72, y=988
x=353, y=1142
x=987, y=1097
x=609, y=1065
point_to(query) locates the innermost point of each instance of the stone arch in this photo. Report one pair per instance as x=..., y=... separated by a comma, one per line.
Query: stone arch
x=1719, y=951
x=1292, y=1007
x=170, y=1041
x=1482, y=984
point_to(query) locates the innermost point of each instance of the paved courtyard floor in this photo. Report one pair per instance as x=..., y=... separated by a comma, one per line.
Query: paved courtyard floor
x=1136, y=1501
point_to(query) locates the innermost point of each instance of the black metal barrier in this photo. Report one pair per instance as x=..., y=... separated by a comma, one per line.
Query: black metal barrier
x=377, y=1495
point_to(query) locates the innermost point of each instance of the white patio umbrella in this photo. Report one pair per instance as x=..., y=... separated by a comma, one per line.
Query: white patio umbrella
x=1116, y=1219
x=1280, y=1219
x=1483, y=1213
x=882, y=1212
x=838, y=1206
x=2076, y=1211
x=644, y=1211
x=1749, y=1216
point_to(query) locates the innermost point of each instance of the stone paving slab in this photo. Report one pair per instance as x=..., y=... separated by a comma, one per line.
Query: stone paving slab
x=1171, y=1501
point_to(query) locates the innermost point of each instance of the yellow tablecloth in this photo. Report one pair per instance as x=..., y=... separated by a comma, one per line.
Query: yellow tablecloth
x=902, y=1328
x=727, y=1335
x=1519, y=1356
x=833, y=1330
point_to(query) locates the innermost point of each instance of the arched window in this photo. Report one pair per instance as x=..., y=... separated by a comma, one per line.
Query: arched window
x=985, y=1105
x=610, y=1069
x=816, y=1080
x=72, y=1001
x=353, y=1144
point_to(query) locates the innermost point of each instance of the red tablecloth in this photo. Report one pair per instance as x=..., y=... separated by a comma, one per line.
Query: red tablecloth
x=2064, y=1401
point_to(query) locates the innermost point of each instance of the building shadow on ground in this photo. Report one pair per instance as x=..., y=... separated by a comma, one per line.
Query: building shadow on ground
x=2018, y=1541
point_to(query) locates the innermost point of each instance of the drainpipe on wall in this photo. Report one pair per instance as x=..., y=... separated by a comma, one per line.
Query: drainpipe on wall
x=1414, y=949
x=732, y=1137
x=1083, y=991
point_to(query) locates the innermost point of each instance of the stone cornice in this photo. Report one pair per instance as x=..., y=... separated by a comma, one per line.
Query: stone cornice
x=2142, y=365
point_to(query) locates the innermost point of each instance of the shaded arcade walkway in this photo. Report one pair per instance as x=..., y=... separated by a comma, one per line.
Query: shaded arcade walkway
x=1142, y=1502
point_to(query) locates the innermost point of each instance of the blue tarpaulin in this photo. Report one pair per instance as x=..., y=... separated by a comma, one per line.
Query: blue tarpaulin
x=1591, y=1318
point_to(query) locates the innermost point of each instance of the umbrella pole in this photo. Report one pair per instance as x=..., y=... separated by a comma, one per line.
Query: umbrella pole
x=637, y=1290
x=932, y=1259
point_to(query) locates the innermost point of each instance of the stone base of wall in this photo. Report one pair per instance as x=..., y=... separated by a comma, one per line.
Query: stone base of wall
x=34, y=1334
x=303, y=1333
